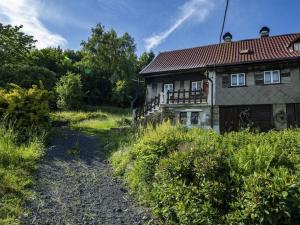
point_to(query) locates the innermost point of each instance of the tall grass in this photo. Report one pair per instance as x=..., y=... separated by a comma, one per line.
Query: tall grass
x=17, y=162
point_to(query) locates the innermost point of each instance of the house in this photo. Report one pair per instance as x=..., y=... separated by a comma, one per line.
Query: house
x=229, y=86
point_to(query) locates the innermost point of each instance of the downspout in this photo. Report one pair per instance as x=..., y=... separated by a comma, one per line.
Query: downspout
x=211, y=100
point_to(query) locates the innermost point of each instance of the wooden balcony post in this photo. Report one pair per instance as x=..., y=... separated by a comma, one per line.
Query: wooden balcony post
x=158, y=98
x=201, y=94
x=168, y=97
x=178, y=96
x=183, y=96
x=190, y=96
x=195, y=92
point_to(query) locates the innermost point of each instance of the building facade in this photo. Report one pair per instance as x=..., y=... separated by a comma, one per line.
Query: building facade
x=229, y=86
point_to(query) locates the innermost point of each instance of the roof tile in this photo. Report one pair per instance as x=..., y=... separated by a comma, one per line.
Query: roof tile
x=261, y=49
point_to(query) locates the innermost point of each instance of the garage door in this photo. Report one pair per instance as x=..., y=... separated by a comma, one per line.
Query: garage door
x=293, y=115
x=235, y=118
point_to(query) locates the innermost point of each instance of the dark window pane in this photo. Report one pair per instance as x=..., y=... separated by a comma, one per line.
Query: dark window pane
x=183, y=117
x=194, y=118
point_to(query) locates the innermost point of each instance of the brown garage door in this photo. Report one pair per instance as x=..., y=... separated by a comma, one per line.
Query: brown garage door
x=293, y=115
x=235, y=118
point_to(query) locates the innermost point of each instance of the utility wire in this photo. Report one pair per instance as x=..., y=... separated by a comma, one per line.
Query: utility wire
x=224, y=20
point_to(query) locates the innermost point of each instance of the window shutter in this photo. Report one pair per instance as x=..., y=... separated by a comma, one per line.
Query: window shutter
x=225, y=81
x=205, y=86
x=259, y=79
x=286, y=78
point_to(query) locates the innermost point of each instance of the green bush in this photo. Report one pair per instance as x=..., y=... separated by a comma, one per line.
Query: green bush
x=25, y=109
x=192, y=176
x=69, y=91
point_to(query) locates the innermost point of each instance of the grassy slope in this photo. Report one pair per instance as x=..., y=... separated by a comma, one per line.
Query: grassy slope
x=99, y=121
x=17, y=163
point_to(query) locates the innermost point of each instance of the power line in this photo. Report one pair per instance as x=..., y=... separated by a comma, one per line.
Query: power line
x=224, y=20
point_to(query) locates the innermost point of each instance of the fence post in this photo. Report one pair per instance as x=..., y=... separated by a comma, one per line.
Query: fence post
x=168, y=97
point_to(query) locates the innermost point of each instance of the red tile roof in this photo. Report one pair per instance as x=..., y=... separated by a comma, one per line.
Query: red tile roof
x=260, y=49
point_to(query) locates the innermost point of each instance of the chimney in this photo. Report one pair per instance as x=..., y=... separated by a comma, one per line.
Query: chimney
x=227, y=37
x=264, y=32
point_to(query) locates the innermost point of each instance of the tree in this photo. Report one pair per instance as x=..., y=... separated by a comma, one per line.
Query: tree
x=69, y=91
x=14, y=44
x=109, y=59
x=55, y=59
x=25, y=76
x=144, y=60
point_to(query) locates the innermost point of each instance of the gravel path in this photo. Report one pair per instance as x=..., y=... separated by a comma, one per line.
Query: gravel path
x=79, y=189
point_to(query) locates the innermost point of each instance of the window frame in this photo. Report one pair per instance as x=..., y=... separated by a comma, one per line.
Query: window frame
x=297, y=43
x=198, y=119
x=272, y=77
x=238, y=80
x=198, y=88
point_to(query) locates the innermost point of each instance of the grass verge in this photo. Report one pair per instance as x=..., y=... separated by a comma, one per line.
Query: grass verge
x=17, y=163
x=110, y=124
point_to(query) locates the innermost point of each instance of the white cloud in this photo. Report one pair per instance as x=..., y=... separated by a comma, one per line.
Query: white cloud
x=27, y=13
x=196, y=10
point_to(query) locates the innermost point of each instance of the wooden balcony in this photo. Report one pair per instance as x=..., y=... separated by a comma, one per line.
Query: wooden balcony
x=185, y=97
x=172, y=98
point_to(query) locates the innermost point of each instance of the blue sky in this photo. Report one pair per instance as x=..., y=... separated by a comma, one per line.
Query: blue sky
x=159, y=25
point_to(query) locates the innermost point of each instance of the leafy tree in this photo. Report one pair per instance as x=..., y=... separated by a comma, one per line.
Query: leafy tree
x=14, y=44
x=109, y=57
x=69, y=91
x=144, y=60
x=25, y=76
x=55, y=59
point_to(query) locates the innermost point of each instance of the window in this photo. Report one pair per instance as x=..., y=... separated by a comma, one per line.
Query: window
x=238, y=79
x=183, y=117
x=196, y=86
x=272, y=77
x=297, y=46
x=168, y=87
x=194, y=118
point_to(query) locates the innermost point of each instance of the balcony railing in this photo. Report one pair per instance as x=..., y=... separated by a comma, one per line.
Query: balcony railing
x=185, y=97
x=170, y=98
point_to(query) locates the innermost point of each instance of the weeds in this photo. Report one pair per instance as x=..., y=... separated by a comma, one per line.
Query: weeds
x=17, y=162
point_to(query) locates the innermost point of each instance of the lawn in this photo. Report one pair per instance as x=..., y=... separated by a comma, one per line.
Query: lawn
x=110, y=124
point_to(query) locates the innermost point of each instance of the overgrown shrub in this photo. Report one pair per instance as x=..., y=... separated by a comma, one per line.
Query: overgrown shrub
x=192, y=176
x=69, y=91
x=25, y=109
